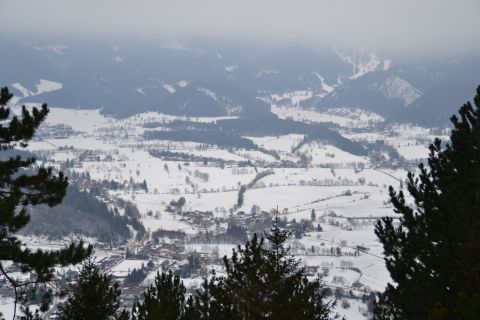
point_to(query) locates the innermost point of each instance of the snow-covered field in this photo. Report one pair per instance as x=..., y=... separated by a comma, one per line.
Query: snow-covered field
x=123, y=268
x=346, y=191
x=344, y=117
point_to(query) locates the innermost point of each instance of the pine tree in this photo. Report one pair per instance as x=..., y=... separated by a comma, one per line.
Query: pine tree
x=300, y=298
x=241, y=196
x=433, y=252
x=262, y=282
x=94, y=296
x=164, y=300
x=20, y=187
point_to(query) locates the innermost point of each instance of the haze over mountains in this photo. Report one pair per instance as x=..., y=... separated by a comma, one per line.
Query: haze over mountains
x=211, y=79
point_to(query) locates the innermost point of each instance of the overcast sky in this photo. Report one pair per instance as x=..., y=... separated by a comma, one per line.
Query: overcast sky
x=417, y=25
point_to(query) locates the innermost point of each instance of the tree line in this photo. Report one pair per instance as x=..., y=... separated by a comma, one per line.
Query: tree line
x=259, y=279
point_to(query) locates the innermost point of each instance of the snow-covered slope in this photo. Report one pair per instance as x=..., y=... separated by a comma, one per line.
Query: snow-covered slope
x=43, y=86
x=363, y=62
x=396, y=88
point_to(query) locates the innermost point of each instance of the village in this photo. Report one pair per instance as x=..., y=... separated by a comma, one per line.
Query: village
x=187, y=205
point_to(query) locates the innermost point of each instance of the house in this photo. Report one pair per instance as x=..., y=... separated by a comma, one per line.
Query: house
x=311, y=270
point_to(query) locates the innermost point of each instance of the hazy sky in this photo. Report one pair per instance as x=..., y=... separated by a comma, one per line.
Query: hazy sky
x=437, y=25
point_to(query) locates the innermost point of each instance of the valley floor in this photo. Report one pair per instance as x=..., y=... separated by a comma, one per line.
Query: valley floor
x=336, y=198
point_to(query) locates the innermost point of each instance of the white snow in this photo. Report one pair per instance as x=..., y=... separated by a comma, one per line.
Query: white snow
x=169, y=88
x=53, y=48
x=79, y=120
x=264, y=72
x=344, y=117
x=126, y=266
x=47, y=86
x=183, y=83
x=348, y=192
x=324, y=153
x=280, y=143
x=362, y=62
x=118, y=59
x=386, y=64
x=397, y=88
x=7, y=307
x=208, y=93
x=231, y=68
x=325, y=87
x=22, y=89
x=42, y=87
x=295, y=96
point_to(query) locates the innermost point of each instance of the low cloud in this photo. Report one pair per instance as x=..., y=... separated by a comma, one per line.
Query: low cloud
x=410, y=25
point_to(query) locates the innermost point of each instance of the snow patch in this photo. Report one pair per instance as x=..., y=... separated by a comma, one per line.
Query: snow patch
x=53, y=48
x=344, y=117
x=362, y=62
x=118, y=46
x=183, y=83
x=80, y=120
x=231, y=68
x=47, y=86
x=325, y=87
x=208, y=93
x=229, y=106
x=42, y=87
x=264, y=72
x=169, y=88
x=118, y=59
x=397, y=88
x=295, y=96
x=386, y=64
x=25, y=92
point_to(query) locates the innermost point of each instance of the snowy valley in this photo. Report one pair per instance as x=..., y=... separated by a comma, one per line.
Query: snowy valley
x=176, y=157
x=195, y=201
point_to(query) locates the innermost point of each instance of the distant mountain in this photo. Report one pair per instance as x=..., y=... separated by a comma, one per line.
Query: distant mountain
x=200, y=99
x=208, y=79
x=424, y=93
x=125, y=78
